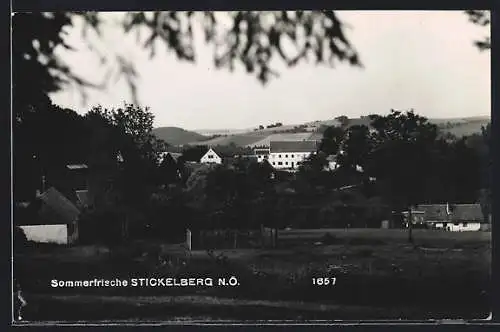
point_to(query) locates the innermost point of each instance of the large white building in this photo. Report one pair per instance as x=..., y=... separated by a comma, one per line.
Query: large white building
x=286, y=154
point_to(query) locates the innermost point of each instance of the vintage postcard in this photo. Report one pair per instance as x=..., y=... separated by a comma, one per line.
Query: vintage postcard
x=251, y=167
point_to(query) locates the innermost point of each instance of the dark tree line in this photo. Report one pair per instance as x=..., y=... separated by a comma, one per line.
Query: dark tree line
x=411, y=161
x=401, y=151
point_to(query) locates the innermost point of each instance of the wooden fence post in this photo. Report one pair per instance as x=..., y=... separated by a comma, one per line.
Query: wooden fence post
x=188, y=239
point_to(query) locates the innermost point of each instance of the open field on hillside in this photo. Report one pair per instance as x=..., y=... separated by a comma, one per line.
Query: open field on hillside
x=238, y=140
x=467, y=128
x=282, y=137
x=378, y=276
x=458, y=127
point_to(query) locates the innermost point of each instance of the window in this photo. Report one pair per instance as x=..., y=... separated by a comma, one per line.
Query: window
x=465, y=224
x=456, y=223
x=279, y=156
x=274, y=163
x=286, y=162
x=210, y=156
x=292, y=156
x=266, y=157
x=286, y=156
x=280, y=163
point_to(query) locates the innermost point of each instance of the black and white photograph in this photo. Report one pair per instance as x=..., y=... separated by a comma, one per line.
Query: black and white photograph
x=251, y=166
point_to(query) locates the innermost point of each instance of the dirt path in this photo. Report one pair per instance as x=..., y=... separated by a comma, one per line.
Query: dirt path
x=53, y=308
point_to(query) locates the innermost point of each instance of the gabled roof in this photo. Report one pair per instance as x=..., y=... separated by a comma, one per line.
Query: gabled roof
x=221, y=152
x=173, y=155
x=293, y=146
x=467, y=212
x=433, y=212
x=57, y=209
x=214, y=151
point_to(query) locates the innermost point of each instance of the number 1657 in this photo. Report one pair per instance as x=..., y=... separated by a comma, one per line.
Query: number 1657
x=324, y=281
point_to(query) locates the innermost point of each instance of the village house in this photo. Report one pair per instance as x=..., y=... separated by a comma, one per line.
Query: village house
x=288, y=155
x=50, y=218
x=455, y=217
x=211, y=157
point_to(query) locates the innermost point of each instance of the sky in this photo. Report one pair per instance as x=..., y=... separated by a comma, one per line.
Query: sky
x=424, y=61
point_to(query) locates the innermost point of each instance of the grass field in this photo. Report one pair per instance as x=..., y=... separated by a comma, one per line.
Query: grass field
x=378, y=276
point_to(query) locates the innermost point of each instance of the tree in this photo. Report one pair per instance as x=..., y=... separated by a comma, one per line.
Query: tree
x=194, y=153
x=482, y=18
x=253, y=41
x=356, y=147
x=45, y=140
x=343, y=120
x=332, y=139
x=169, y=171
x=400, y=159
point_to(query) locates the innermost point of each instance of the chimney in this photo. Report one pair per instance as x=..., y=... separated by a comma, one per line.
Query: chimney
x=43, y=183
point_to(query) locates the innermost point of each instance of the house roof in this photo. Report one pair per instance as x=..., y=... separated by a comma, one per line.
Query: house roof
x=220, y=151
x=467, y=212
x=458, y=212
x=76, y=166
x=433, y=212
x=293, y=146
x=174, y=155
x=57, y=209
x=261, y=151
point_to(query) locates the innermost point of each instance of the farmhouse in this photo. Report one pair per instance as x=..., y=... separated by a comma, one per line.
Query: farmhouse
x=290, y=154
x=456, y=217
x=211, y=157
x=50, y=218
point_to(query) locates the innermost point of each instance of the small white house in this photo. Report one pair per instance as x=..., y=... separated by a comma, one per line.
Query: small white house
x=211, y=157
x=454, y=218
x=51, y=218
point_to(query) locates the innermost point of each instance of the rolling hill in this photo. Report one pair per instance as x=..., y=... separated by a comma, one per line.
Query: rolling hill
x=177, y=136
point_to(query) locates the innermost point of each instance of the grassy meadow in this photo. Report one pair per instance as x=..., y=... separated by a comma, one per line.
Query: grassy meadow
x=378, y=274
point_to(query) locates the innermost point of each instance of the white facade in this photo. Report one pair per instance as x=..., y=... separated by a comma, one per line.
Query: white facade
x=459, y=226
x=211, y=158
x=291, y=160
x=46, y=233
